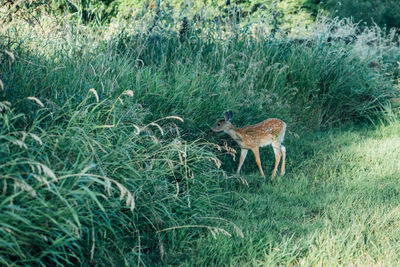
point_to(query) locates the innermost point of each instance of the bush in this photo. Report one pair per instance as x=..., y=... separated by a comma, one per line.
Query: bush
x=383, y=13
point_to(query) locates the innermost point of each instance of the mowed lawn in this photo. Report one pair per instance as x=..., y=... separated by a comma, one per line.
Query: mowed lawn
x=338, y=204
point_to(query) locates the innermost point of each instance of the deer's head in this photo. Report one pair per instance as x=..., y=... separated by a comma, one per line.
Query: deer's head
x=223, y=124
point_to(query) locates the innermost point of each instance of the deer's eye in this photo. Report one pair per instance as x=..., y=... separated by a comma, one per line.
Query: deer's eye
x=219, y=124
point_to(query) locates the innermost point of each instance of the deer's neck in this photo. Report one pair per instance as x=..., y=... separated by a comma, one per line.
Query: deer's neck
x=235, y=134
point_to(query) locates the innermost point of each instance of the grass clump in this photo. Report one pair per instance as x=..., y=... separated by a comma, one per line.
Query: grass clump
x=75, y=190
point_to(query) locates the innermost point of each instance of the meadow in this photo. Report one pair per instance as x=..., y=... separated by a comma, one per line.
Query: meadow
x=107, y=158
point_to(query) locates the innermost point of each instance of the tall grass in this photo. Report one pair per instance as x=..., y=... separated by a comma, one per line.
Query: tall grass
x=102, y=129
x=312, y=82
x=78, y=190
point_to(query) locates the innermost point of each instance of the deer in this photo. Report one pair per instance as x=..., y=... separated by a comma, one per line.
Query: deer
x=268, y=132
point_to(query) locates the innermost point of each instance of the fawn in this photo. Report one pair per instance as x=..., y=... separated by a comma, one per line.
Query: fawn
x=270, y=131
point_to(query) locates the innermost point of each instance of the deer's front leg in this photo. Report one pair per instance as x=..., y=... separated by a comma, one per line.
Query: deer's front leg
x=257, y=156
x=243, y=154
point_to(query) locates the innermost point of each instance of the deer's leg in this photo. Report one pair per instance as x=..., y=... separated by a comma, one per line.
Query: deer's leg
x=277, y=151
x=243, y=154
x=283, y=151
x=257, y=156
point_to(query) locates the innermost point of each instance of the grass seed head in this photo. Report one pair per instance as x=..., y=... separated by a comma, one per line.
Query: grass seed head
x=92, y=90
x=36, y=100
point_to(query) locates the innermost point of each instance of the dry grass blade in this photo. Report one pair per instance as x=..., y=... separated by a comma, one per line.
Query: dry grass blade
x=173, y=117
x=92, y=90
x=122, y=190
x=128, y=93
x=154, y=123
x=216, y=161
x=36, y=138
x=19, y=143
x=21, y=185
x=138, y=130
x=5, y=105
x=10, y=54
x=237, y=230
x=1, y=85
x=106, y=126
x=214, y=230
x=158, y=126
x=130, y=200
x=47, y=171
x=35, y=99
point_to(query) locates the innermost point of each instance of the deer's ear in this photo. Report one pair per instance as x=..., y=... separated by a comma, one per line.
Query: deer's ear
x=228, y=115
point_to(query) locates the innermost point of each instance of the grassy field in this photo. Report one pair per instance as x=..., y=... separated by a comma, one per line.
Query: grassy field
x=107, y=158
x=337, y=205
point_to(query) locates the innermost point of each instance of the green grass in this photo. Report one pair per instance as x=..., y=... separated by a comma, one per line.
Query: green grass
x=106, y=157
x=338, y=204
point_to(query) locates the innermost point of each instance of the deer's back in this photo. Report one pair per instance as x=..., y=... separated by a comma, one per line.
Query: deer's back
x=262, y=133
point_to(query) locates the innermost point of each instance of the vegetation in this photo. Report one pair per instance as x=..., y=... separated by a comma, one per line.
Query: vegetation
x=338, y=205
x=106, y=157
x=382, y=13
x=282, y=14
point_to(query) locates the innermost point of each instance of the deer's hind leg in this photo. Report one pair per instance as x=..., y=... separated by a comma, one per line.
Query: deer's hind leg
x=283, y=151
x=278, y=154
